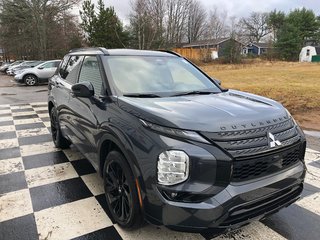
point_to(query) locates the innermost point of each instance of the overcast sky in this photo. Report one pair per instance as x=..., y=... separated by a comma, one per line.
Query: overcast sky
x=237, y=8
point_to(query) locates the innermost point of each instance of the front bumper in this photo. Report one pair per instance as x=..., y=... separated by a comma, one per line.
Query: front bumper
x=18, y=78
x=236, y=205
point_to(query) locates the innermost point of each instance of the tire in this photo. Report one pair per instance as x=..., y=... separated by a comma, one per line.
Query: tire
x=121, y=192
x=30, y=80
x=57, y=137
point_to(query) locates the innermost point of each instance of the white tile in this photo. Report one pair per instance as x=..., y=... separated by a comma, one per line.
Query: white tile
x=43, y=115
x=155, y=233
x=47, y=124
x=311, y=203
x=36, y=109
x=9, y=143
x=33, y=149
x=27, y=121
x=15, y=114
x=71, y=220
x=38, y=103
x=9, y=128
x=50, y=174
x=11, y=165
x=32, y=132
x=73, y=154
x=15, y=204
x=94, y=182
x=5, y=111
x=4, y=105
x=3, y=119
x=20, y=107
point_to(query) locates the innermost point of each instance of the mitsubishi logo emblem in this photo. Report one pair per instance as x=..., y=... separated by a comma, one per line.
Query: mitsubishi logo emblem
x=272, y=140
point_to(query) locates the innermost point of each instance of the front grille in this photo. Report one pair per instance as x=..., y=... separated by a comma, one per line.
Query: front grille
x=261, y=166
x=243, y=143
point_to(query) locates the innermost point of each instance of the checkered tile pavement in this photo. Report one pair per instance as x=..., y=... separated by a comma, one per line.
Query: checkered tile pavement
x=48, y=193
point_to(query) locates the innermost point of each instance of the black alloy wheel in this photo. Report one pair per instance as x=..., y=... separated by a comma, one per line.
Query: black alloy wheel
x=121, y=192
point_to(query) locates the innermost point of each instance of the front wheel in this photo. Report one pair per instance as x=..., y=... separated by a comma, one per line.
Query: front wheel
x=57, y=137
x=30, y=80
x=121, y=191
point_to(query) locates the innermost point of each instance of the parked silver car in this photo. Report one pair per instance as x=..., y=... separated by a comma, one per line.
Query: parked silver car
x=26, y=64
x=6, y=66
x=38, y=74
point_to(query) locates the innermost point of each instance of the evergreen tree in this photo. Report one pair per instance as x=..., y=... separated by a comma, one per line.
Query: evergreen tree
x=103, y=29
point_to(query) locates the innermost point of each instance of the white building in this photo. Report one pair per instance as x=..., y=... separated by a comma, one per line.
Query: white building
x=307, y=53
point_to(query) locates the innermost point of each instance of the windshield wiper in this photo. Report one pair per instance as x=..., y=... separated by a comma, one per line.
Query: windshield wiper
x=193, y=93
x=142, y=95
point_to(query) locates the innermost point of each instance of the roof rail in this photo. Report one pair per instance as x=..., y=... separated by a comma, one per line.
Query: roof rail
x=103, y=50
x=171, y=52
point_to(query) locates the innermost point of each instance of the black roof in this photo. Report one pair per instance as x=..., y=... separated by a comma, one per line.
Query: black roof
x=121, y=52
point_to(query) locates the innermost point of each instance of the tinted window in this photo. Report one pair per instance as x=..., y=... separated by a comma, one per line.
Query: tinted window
x=71, y=72
x=90, y=72
x=49, y=65
x=63, y=66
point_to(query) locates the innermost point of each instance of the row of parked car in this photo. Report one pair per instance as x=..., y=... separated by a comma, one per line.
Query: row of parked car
x=30, y=72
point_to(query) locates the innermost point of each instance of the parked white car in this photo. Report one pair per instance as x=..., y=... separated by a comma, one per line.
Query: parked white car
x=38, y=74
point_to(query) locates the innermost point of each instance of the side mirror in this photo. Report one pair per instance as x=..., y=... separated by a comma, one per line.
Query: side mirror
x=84, y=90
x=217, y=81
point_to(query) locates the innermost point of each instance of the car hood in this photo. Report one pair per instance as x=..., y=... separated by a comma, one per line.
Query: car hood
x=228, y=111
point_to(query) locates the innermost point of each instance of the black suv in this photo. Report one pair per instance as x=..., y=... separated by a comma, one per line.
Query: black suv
x=172, y=146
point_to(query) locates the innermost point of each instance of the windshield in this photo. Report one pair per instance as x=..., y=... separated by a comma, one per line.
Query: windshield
x=164, y=76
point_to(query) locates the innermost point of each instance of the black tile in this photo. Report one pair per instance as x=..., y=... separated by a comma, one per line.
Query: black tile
x=30, y=126
x=8, y=135
x=9, y=153
x=22, y=110
x=5, y=115
x=12, y=182
x=6, y=123
x=108, y=233
x=103, y=202
x=308, y=190
x=41, y=111
x=44, y=159
x=35, y=139
x=45, y=119
x=83, y=167
x=25, y=116
x=20, y=104
x=58, y=193
x=315, y=164
x=19, y=228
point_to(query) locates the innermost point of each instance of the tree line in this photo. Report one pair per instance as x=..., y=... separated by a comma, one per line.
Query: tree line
x=47, y=29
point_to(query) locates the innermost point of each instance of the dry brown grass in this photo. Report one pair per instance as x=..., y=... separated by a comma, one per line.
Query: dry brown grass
x=295, y=85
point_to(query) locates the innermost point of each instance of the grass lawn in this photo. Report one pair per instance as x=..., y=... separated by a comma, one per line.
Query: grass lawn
x=295, y=85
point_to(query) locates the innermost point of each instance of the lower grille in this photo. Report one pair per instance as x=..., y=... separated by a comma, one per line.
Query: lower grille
x=258, y=167
x=264, y=206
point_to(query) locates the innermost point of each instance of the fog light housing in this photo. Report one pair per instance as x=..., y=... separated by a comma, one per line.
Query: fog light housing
x=173, y=167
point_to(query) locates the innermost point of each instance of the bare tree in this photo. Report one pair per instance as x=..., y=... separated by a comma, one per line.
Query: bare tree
x=256, y=26
x=217, y=26
x=196, y=24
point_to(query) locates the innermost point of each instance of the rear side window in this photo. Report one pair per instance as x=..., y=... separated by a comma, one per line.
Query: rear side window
x=72, y=69
x=90, y=72
x=63, y=66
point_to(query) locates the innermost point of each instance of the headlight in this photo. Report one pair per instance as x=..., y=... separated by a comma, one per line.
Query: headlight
x=185, y=134
x=173, y=167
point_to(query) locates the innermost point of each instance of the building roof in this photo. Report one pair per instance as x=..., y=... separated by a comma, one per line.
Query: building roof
x=216, y=41
x=261, y=45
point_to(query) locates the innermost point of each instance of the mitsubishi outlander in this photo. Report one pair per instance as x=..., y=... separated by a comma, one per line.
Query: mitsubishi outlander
x=172, y=146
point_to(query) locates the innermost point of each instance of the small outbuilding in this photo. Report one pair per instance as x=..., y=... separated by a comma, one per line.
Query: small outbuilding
x=310, y=54
x=257, y=49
